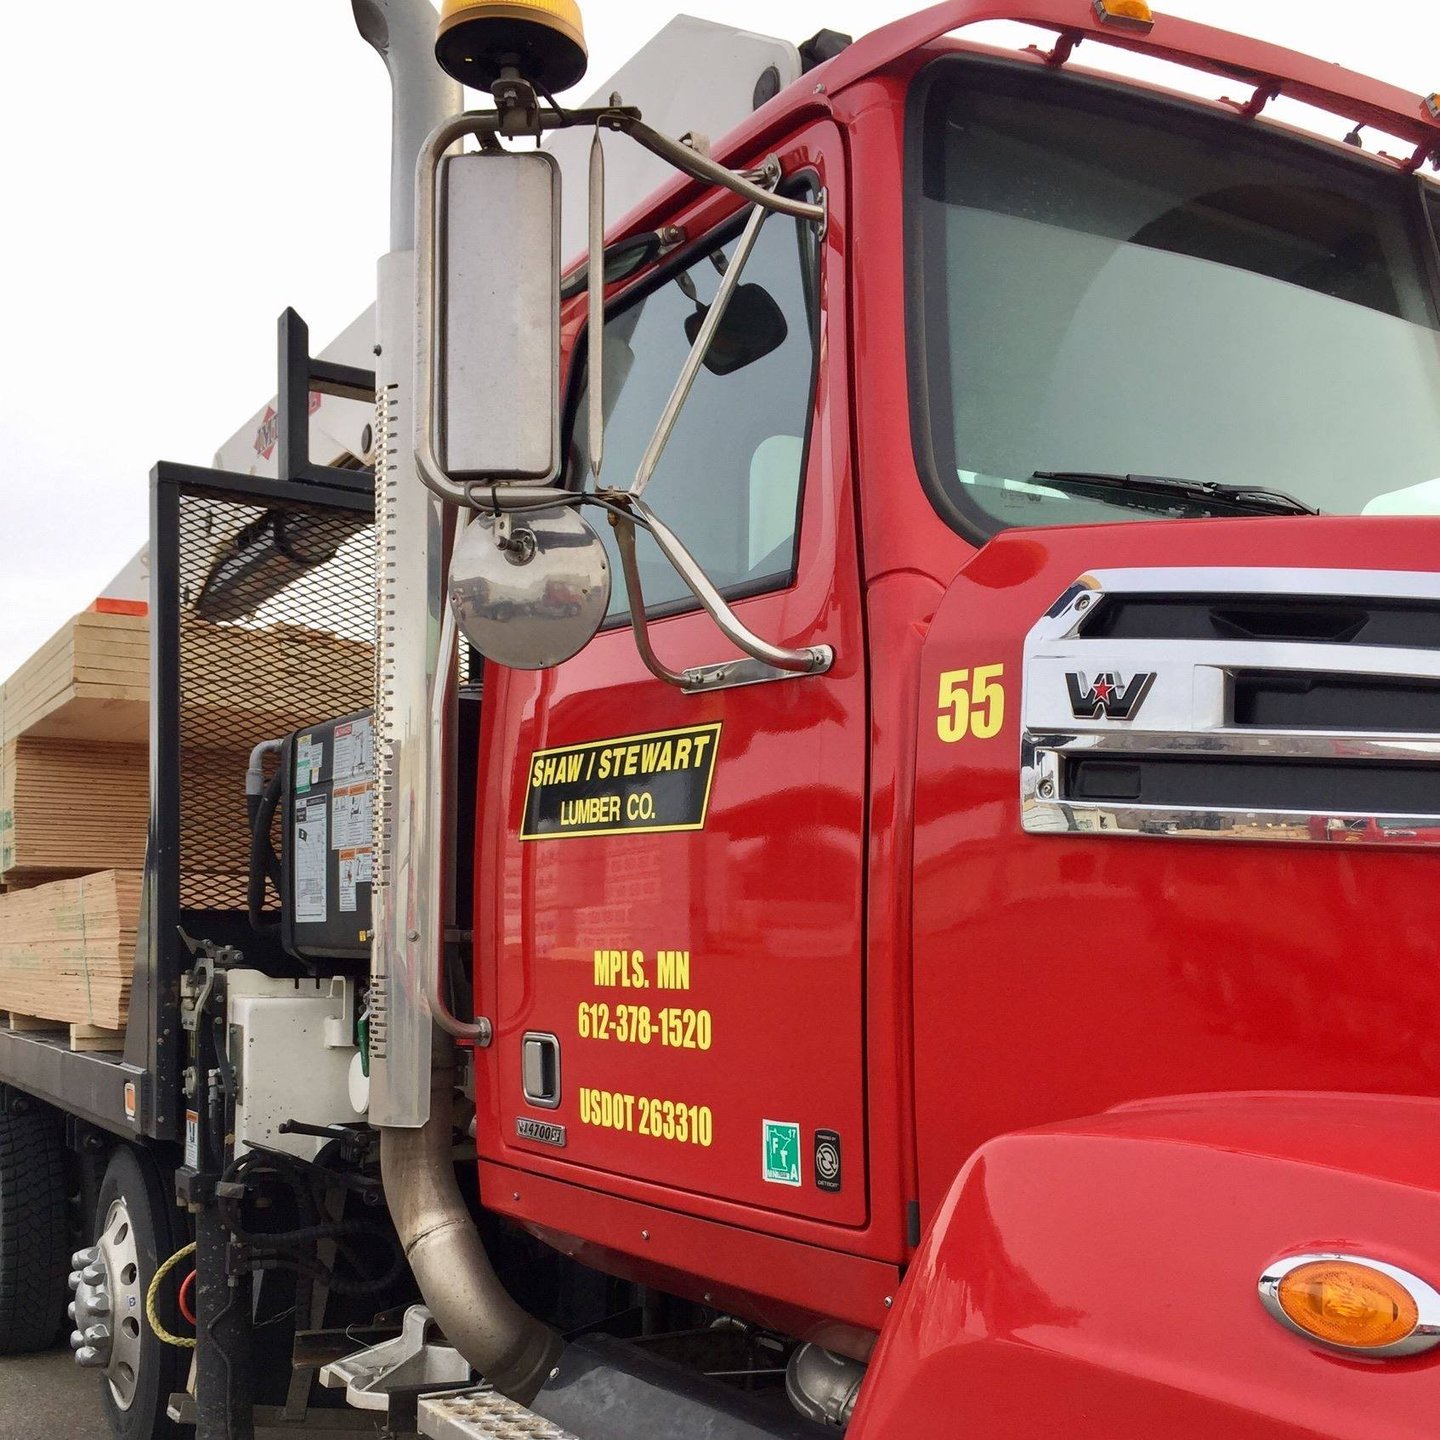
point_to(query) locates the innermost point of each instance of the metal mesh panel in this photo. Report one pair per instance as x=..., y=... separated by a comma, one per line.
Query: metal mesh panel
x=276, y=632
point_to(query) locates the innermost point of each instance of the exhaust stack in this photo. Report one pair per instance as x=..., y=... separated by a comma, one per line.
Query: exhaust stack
x=421, y=95
x=411, y=1063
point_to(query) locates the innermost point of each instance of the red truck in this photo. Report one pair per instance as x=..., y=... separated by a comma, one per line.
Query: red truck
x=888, y=916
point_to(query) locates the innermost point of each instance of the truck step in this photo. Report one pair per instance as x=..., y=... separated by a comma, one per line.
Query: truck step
x=483, y=1414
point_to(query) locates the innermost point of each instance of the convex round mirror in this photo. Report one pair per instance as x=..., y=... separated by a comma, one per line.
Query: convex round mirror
x=538, y=600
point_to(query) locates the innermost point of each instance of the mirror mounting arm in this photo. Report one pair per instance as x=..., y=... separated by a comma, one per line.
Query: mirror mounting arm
x=729, y=283
x=765, y=662
x=758, y=190
x=431, y=963
x=639, y=624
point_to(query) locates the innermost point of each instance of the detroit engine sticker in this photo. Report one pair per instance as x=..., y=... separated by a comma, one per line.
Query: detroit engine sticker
x=627, y=785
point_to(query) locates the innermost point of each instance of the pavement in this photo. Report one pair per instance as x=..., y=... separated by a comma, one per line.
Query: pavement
x=48, y=1397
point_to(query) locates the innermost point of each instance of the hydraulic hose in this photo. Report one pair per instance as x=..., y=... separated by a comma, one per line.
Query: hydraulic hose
x=263, y=863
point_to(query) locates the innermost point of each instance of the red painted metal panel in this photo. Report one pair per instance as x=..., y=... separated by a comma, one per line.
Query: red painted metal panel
x=1098, y=1279
x=767, y=899
x=1298, y=76
x=659, y=1247
x=1079, y=971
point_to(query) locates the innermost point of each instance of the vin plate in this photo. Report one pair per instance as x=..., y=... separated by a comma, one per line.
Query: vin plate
x=543, y=1132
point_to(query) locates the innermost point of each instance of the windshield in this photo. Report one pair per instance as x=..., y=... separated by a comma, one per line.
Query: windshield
x=1123, y=286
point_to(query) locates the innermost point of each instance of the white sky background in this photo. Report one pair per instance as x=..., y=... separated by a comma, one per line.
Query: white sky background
x=178, y=171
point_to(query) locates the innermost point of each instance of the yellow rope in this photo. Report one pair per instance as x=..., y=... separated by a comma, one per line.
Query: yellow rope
x=152, y=1314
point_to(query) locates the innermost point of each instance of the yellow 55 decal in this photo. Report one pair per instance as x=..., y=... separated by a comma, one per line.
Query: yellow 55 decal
x=972, y=702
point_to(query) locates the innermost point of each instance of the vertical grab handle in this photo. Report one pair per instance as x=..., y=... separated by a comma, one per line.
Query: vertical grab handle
x=432, y=967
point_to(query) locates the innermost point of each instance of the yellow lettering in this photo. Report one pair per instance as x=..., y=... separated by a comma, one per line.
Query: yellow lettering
x=672, y=970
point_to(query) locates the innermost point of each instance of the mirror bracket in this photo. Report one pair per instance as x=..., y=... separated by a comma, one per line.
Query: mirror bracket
x=699, y=349
x=763, y=661
x=730, y=674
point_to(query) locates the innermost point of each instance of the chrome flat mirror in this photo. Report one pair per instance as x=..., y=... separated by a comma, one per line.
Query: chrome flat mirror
x=497, y=360
x=529, y=588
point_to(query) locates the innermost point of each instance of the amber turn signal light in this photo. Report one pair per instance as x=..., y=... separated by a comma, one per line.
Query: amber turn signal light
x=1364, y=1307
x=1129, y=14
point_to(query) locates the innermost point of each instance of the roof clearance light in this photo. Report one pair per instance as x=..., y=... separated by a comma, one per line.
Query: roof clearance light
x=1359, y=1306
x=1128, y=14
x=1432, y=104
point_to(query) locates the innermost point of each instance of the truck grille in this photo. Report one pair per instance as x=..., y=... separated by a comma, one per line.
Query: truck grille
x=1237, y=704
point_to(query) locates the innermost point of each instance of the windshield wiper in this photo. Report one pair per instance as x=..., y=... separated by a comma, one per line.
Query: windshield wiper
x=1253, y=499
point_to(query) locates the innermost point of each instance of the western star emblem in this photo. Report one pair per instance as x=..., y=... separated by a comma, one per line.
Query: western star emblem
x=1108, y=696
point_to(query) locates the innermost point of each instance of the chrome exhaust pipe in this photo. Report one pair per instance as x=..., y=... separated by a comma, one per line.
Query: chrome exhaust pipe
x=412, y=1063
x=509, y=1347
x=421, y=95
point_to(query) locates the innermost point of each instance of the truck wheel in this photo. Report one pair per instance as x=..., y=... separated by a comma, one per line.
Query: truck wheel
x=33, y=1232
x=137, y=1229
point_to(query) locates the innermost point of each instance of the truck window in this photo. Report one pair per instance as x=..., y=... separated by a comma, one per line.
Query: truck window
x=1136, y=287
x=730, y=478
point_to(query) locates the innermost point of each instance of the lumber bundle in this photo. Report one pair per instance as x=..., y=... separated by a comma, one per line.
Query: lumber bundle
x=75, y=801
x=71, y=807
x=89, y=681
x=67, y=950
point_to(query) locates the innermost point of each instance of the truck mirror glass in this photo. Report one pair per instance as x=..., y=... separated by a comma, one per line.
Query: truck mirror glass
x=535, y=597
x=752, y=326
x=497, y=380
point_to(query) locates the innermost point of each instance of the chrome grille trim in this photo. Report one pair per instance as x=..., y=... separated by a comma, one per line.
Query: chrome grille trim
x=1186, y=710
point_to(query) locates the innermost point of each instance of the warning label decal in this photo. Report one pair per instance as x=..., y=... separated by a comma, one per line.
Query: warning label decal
x=629, y=785
x=311, y=852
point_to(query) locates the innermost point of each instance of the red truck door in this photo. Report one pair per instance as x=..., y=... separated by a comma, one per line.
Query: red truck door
x=669, y=922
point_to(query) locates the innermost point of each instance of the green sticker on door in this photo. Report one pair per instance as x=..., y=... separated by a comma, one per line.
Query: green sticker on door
x=782, y=1153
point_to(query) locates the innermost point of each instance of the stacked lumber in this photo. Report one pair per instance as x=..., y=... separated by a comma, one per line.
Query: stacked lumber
x=67, y=952
x=69, y=807
x=89, y=681
x=75, y=802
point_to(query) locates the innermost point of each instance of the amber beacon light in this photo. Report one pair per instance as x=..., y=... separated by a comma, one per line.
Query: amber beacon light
x=541, y=40
x=1359, y=1306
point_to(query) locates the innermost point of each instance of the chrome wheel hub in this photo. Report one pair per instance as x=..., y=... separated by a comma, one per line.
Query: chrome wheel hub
x=109, y=1306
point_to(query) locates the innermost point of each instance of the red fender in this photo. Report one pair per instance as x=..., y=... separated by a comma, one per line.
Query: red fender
x=1098, y=1278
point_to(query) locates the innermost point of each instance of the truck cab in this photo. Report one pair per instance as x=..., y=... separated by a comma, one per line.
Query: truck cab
x=839, y=772
x=1124, y=574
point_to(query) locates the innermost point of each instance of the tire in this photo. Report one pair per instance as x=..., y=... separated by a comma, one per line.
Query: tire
x=34, y=1231
x=133, y=1181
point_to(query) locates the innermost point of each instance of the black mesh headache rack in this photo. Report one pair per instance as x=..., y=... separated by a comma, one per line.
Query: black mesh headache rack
x=262, y=620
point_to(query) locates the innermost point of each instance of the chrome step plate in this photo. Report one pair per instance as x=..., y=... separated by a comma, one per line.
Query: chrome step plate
x=483, y=1414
